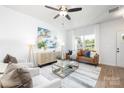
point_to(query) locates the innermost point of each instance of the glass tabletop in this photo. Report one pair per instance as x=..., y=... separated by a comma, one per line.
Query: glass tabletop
x=64, y=67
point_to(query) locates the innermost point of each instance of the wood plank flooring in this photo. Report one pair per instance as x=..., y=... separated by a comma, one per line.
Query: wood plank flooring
x=111, y=77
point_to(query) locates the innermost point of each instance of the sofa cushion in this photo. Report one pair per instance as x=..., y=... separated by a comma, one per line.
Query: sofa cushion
x=82, y=52
x=16, y=77
x=85, y=59
x=26, y=64
x=87, y=53
x=3, y=67
x=92, y=54
x=42, y=82
x=39, y=80
x=9, y=68
x=33, y=71
x=0, y=84
x=8, y=58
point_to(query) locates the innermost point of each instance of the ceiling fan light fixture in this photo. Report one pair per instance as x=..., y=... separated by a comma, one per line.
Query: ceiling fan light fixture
x=120, y=12
x=63, y=13
x=117, y=12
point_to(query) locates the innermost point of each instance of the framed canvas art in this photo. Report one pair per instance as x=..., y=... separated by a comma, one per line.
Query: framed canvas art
x=45, y=38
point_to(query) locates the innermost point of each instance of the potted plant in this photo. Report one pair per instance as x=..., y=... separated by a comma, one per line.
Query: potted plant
x=42, y=45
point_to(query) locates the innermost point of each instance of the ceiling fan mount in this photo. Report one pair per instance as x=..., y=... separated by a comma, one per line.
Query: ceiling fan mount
x=63, y=11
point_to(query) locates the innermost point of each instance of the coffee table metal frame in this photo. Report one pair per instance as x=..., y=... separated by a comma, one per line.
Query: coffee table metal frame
x=64, y=68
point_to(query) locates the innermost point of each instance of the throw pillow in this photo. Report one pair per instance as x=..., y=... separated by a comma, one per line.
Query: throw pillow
x=16, y=78
x=87, y=53
x=8, y=58
x=82, y=52
x=74, y=55
x=92, y=54
x=79, y=53
x=3, y=67
x=10, y=67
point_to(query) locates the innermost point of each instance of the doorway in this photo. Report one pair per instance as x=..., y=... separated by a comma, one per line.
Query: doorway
x=120, y=49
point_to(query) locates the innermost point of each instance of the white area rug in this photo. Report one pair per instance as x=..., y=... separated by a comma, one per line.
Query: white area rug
x=85, y=76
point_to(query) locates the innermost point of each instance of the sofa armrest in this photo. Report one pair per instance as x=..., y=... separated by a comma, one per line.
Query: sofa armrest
x=56, y=83
x=34, y=71
x=25, y=65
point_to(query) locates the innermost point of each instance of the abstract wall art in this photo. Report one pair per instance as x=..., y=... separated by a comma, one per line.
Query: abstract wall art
x=45, y=38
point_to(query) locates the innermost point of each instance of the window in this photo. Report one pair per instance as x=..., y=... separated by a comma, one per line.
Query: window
x=89, y=42
x=85, y=41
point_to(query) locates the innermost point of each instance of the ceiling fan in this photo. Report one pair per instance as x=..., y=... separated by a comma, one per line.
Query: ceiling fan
x=63, y=11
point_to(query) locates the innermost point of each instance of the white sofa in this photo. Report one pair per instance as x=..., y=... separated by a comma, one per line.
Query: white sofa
x=39, y=81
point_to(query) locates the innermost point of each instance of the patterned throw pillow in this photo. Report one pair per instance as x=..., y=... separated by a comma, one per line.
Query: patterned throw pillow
x=10, y=67
x=15, y=77
x=10, y=58
x=92, y=54
x=87, y=53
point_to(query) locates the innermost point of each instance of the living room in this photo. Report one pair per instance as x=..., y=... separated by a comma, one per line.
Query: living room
x=59, y=58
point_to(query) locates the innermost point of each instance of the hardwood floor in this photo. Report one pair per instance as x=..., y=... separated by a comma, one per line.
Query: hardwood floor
x=111, y=77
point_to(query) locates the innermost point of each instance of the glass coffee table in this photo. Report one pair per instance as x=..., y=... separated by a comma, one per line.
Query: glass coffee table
x=64, y=67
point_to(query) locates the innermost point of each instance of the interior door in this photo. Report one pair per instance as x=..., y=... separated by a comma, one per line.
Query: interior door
x=120, y=49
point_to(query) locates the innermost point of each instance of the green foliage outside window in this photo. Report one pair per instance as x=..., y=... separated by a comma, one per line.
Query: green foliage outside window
x=89, y=44
x=86, y=42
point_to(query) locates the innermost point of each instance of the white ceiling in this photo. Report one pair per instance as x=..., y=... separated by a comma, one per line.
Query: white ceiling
x=90, y=14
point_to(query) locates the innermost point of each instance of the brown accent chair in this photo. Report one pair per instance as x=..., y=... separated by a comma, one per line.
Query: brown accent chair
x=67, y=56
x=82, y=58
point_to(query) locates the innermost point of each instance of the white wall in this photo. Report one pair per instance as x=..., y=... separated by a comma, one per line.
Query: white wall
x=69, y=40
x=18, y=30
x=105, y=38
x=108, y=40
x=71, y=34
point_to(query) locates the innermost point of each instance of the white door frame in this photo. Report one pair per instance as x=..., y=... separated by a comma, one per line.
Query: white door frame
x=117, y=50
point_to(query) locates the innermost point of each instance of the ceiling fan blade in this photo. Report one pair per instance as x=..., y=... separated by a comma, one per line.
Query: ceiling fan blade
x=68, y=17
x=51, y=8
x=74, y=9
x=56, y=16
